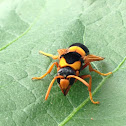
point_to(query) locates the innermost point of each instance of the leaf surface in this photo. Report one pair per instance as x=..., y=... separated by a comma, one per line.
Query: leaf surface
x=29, y=26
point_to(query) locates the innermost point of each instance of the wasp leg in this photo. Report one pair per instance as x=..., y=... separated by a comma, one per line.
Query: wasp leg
x=77, y=74
x=91, y=69
x=50, y=86
x=89, y=88
x=50, y=69
x=85, y=65
x=47, y=54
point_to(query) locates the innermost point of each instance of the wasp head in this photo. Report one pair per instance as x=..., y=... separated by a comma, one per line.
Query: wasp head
x=65, y=83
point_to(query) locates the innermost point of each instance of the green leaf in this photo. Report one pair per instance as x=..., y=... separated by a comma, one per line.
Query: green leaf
x=29, y=26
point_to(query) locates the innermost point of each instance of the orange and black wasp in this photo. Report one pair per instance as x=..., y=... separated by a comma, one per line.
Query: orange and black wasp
x=71, y=62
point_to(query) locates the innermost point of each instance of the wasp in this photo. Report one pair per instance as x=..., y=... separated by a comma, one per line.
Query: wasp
x=71, y=62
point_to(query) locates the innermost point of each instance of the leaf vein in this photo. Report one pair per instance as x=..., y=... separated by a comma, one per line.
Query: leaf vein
x=24, y=33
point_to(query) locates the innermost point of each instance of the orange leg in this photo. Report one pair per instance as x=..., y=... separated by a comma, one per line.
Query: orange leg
x=50, y=86
x=50, y=69
x=89, y=88
x=91, y=69
x=47, y=54
x=84, y=66
x=77, y=74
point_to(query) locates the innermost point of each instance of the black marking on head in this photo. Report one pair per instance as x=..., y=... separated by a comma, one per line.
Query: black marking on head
x=72, y=81
x=65, y=71
x=82, y=46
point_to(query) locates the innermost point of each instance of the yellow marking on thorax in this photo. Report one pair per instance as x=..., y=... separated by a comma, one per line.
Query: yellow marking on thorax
x=76, y=65
x=78, y=50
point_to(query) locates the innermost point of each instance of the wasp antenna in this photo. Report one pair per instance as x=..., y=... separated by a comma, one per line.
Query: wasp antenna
x=78, y=78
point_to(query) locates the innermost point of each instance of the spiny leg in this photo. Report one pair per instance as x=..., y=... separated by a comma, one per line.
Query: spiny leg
x=50, y=69
x=47, y=54
x=91, y=58
x=50, y=86
x=91, y=69
x=89, y=88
